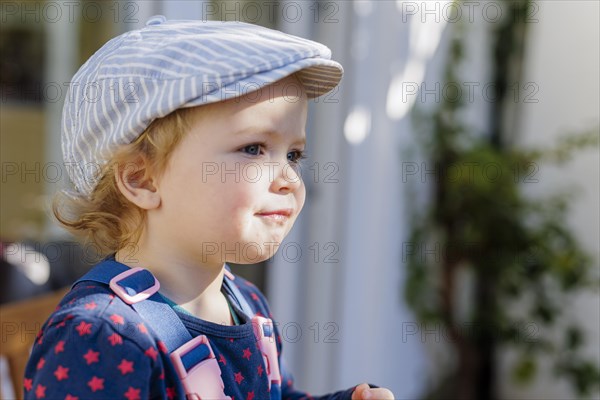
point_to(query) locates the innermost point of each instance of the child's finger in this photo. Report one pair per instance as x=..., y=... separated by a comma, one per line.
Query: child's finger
x=358, y=391
x=380, y=394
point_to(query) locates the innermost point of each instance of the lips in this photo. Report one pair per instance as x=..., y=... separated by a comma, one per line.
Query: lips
x=282, y=213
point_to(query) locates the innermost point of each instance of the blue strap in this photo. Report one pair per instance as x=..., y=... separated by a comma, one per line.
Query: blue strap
x=103, y=272
x=234, y=293
x=275, y=392
x=164, y=321
x=155, y=311
x=192, y=358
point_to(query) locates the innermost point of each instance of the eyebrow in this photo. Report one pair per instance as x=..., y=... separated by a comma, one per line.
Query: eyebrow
x=268, y=132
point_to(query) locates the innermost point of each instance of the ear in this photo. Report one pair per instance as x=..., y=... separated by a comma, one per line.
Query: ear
x=137, y=185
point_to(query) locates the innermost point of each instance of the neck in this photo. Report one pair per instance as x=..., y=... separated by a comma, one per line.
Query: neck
x=193, y=285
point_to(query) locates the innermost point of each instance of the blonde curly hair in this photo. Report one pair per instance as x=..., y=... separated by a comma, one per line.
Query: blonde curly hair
x=107, y=219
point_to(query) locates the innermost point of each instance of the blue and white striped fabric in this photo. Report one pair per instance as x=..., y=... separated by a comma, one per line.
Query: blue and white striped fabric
x=146, y=74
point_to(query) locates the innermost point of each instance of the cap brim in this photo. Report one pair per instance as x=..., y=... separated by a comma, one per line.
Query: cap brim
x=318, y=76
x=320, y=79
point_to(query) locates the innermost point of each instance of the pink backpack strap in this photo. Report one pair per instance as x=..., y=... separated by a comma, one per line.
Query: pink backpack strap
x=198, y=370
x=265, y=338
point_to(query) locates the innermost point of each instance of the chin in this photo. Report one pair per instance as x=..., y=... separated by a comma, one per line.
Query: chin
x=253, y=253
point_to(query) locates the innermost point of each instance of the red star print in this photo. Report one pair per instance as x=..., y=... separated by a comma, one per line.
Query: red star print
x=91, y=356
x=60, y=347
x=250, y=395
x=69, y=397
x=132, y=394
x=239, y=377
x=247, y=353
x=28, y=384
x=258, y=313
x=222, y=359
x=125, y=366
x=84, y=328
x=41, y=363
x=64, y=321
x=260, y=370
x=162, y=375
x=40, y=391
x=171, y=392
x=142, y=328
x=151, y=352
x=39, y=337
x=254, y=296
x=115, y=339
x=163, y=347
x=117, y=319
x=96, y=383
x=90, y=305
x=61, y=373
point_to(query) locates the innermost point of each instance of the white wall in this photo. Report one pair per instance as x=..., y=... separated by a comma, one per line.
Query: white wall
x=563, y=61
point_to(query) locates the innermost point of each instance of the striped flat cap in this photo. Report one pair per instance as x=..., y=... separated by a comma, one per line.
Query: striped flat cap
x=146, y=74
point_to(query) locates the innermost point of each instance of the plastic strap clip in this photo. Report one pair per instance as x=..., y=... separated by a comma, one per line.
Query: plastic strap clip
x=132, y=294
x=265, y=337
x=198, y=370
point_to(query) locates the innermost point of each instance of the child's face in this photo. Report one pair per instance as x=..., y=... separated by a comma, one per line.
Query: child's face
x=232, y=189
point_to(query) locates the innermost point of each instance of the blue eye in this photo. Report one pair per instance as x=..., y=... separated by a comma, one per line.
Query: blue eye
x=295, y=156
x=253, y=149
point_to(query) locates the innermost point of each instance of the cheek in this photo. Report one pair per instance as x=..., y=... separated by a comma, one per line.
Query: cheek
x=234, y=203
x=300, y=197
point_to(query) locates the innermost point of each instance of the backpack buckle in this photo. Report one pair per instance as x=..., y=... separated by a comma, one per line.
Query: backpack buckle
x=198, y=370
x=265, y=337
x=134, y=285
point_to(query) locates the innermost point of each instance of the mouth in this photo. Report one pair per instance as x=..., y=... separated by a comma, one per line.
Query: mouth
x=276, y=215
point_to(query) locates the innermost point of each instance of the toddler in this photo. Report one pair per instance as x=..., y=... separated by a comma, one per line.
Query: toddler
x=183, y=141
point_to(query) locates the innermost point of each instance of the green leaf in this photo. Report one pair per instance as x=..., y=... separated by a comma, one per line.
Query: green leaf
x=524, y=370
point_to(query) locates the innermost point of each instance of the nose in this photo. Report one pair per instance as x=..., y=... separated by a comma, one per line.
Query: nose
x=286, y=178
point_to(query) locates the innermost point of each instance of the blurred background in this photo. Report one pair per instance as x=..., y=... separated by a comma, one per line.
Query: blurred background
x=449, y=246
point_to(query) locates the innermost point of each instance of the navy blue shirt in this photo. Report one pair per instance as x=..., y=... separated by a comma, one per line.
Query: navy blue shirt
x=95, y=346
